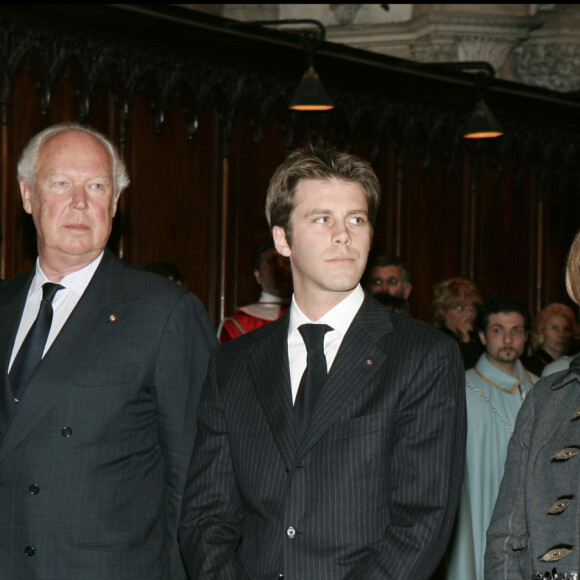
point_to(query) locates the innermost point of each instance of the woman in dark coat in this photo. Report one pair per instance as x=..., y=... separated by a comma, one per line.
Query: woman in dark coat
x=535, y=529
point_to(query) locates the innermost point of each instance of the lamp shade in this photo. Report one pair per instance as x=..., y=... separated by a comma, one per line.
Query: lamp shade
x=482, y=124
x=311, y=95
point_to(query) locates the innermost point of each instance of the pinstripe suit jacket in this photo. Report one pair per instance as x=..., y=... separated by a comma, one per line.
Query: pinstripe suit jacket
x=94, y=457
x=371, y=492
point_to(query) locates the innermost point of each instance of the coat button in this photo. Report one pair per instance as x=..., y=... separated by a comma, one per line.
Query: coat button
x=66, y=432
x=559, y=505
x=34, y=489
x=555, y=554
x=291, y=532
x=29, y=551
x=565, y=454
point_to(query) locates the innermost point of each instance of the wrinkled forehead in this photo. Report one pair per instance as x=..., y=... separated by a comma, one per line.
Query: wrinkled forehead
x=74, y=150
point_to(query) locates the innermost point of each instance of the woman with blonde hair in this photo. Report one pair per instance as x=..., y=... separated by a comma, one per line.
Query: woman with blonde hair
x=534, y=532
x=551, y=336
x=454, y=311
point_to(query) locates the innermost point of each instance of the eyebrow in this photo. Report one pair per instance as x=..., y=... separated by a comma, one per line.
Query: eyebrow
x=320, y=211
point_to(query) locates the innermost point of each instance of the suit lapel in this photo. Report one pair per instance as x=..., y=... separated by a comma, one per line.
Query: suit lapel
x=359, y=358
x=87, y=330
x=270, y=371
x=11, y=308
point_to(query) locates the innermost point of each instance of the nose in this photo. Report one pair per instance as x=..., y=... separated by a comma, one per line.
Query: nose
x=79, y=197
x=340, y=234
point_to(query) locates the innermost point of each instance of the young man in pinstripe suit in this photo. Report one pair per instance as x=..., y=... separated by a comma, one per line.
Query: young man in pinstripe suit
x=350, y=471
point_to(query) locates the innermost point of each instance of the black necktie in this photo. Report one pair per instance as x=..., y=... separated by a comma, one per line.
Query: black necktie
x=314, y=376
x=30, y=353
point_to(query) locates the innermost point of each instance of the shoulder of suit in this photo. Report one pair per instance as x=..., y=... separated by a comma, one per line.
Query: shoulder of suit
x=258, y=336
x=151, y=280
x=12, y=286
x=408, y=324
x=139, y=284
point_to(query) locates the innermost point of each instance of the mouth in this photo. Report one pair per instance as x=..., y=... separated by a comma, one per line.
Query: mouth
x=341, y=259
x=77, y=227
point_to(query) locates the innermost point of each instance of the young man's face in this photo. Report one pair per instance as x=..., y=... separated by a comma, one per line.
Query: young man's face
x=504, y=339
x=331, y=237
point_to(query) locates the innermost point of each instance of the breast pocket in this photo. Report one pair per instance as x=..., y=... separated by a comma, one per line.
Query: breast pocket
x=108, y=374
x=360, y=426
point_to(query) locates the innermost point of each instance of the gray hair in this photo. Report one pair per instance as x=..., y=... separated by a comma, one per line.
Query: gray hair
x=28, y=162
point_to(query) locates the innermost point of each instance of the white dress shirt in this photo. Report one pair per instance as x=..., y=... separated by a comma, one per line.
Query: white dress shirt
x=338, y=318
x=63, y=304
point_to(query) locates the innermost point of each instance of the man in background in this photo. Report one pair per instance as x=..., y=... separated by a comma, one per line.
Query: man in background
x=387, y=273
x=496, y=388
x=272, y=273
x=103, y=366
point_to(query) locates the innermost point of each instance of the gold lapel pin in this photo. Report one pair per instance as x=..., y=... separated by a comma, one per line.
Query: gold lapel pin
x=112, y=318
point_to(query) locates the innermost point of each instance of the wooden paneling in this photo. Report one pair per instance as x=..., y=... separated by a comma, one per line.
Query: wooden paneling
x=198, y=110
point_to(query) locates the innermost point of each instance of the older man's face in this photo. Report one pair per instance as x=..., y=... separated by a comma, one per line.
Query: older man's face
x=72, y=203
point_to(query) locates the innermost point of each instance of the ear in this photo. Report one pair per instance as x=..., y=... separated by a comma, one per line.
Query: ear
x=281, y=241
x=407, y=292
x=26, y=194
x=258, y=277
x=114, y=204
x=482, y=338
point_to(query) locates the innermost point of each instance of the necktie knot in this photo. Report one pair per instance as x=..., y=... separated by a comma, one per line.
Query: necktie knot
x=313, y=335
x=49, y=290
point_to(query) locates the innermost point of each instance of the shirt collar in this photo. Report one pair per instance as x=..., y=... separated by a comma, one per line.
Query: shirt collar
x=339, y=318
x=271, y=299
x=505, y=380
x=76, y=282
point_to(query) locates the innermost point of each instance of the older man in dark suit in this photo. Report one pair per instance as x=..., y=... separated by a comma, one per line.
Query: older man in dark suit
x=330, y=442
x=102, y=369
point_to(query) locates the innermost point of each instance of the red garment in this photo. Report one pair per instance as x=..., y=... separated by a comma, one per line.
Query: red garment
x=242, y=323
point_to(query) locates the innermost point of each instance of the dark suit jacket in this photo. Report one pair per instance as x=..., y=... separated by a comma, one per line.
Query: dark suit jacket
x=93, y=458
x=372, y=490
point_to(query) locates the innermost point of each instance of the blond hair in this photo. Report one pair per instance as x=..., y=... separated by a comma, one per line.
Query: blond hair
x=541, y=319
x=451, y=293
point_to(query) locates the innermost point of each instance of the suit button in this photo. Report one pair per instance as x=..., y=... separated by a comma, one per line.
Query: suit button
x=291, y=532
x=29, y=551
x=66, y=432
x=34, y=489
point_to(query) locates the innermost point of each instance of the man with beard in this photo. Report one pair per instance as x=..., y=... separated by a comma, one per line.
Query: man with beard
x=495, y=390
